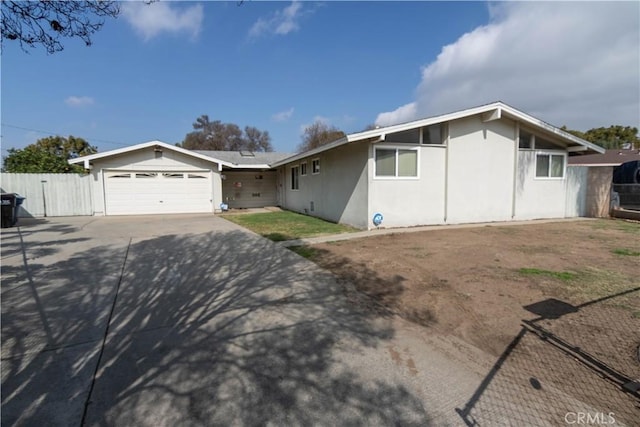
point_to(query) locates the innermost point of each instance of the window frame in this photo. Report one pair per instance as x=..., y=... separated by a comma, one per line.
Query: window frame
x=315, y=162
x=397, y=148
x=532, y=140
x=549, y=154
x=444, y=130
x=303, y=168
x=295, y=181
x=145, y=175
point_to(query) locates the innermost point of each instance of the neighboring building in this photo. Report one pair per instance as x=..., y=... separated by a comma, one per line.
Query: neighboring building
x=614, y=169
x=611, y=158
x=489, y=163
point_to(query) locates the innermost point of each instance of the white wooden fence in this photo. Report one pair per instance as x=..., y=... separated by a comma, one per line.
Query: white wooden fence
x=50, y=194
x=576, y=195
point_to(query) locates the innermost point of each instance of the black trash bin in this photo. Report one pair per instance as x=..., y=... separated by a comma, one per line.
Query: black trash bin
x=19, y=200
x=8, y=209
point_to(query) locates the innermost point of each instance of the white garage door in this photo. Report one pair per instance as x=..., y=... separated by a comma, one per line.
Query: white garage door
x=147, y=192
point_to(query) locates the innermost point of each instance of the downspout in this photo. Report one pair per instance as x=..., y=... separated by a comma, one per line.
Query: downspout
x=515, y=170
x=370, y=163
x=282, y=182
x=370, y=151
x=104, y=193
x=446, y=173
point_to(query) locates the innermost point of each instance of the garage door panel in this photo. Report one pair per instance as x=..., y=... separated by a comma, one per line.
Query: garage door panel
x=157, y=192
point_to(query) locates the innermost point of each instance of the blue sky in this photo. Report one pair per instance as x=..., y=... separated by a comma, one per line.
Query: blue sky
x=281, y=65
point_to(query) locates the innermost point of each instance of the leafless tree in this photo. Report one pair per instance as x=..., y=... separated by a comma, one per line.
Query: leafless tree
x=215, y=135
x=46, y=23
x=318, y=134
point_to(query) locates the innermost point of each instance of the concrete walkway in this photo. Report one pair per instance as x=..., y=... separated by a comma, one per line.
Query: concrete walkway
x=384, y=231
x=191, y=320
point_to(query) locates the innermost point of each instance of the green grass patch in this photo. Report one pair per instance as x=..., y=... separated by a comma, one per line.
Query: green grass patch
x=561, y=275
x=616, y=224
x=304, y=251
x=286, y=225
x=588, y=284
x=626, y=252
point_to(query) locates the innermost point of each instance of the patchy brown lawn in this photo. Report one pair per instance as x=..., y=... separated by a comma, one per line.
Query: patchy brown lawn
x=476, y=282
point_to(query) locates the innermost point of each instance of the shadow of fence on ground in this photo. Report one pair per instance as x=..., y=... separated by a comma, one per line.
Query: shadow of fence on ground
x=571, y=364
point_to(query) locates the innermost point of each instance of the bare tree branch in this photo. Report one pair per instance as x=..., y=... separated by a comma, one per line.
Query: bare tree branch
x=45, y=23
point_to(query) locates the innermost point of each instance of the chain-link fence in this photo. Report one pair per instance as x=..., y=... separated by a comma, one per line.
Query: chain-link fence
x=572, y=365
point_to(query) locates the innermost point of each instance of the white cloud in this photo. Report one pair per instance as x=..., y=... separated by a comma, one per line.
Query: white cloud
x=281, y=22
x=401, y=114
x=283, y=116
x=566, y=63
x=79, y=101
x=149, y=20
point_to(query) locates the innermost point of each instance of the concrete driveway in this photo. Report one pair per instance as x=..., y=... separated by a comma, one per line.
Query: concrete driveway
x=192, y=320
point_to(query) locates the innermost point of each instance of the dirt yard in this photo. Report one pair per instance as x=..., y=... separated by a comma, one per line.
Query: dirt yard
x=476, y=282
x=576, y=284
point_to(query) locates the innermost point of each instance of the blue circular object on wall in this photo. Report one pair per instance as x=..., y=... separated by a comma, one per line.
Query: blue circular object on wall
x=377, y=219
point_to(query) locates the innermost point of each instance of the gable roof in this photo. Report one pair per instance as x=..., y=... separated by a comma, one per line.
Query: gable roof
x=608, y=158
x=231, y=159
x=493, y=111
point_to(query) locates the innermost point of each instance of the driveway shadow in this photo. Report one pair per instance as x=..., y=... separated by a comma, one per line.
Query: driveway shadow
x=218, y=328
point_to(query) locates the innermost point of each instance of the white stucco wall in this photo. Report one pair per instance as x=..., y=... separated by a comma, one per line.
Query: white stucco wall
x=145, y=160
x=480, y=170
x=538, y=198
x=338, y=192
x=409, y=202
x=479, y=175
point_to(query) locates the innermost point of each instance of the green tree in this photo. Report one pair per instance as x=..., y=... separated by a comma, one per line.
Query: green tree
x=613, y=137
x=317, y=134
x=48, y=155
x=215, y=135
x=45, y=23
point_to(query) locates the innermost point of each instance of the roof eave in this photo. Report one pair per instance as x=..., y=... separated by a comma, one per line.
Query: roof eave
x=309, y=153
x=252, y=166
x=119, y=151
x=595, y=164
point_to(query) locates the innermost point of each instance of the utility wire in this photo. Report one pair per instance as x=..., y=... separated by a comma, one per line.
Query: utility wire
x=104, y=141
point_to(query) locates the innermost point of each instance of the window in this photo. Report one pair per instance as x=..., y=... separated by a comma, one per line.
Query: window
x=549, y=165
x=173, y=175
x=411, y=136
x=433, y=134
x=295, y=178
x=315, y=166
x=121, y=175
x=526, y=142
x=543, y=144
x=146, y=175
x=396, y=162
x=303, y=168
x=196, y=176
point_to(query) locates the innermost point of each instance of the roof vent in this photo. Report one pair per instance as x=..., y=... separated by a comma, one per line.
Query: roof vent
x=247, y=154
